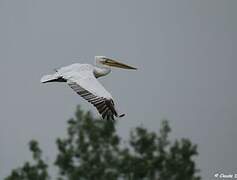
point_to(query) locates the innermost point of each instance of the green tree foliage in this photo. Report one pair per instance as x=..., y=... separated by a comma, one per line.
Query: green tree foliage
x=36, y=171
x=93, y=151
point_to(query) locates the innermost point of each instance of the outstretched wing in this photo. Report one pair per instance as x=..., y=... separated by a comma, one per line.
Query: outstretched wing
x=88, y=87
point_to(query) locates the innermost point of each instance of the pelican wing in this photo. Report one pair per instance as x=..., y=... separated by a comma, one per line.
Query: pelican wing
x=88, y=87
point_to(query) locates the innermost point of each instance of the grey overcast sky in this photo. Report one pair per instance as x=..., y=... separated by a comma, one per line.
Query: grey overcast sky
x=185, y=52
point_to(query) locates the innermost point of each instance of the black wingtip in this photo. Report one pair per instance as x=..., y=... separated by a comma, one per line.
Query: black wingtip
x=121, y=115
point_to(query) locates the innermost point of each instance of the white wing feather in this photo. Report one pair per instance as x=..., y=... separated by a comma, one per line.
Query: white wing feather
x=90, y=83
x=82, y=80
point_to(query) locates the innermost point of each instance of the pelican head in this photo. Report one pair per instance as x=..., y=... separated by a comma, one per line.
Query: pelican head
x=105, y=61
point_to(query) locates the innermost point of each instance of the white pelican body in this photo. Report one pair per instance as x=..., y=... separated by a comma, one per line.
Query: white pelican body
x=82, y=78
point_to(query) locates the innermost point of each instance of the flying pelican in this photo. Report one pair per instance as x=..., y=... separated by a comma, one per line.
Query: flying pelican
x=82, y=78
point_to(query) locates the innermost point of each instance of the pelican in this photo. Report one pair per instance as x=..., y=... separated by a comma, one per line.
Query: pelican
x=82, y=78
